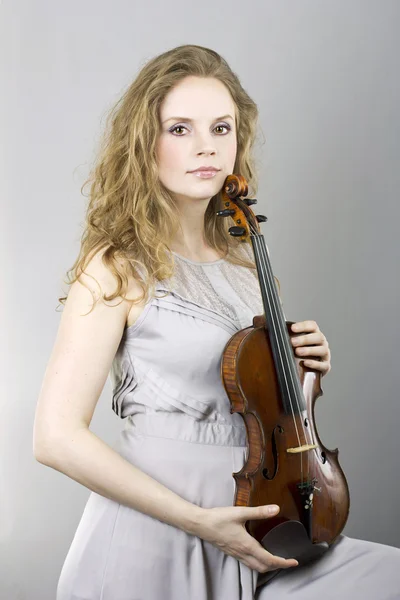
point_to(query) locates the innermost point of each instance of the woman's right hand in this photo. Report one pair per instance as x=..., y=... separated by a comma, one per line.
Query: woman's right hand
x=224, y=527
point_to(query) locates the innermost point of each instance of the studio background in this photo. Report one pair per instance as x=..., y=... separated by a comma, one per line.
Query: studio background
x=325, y=76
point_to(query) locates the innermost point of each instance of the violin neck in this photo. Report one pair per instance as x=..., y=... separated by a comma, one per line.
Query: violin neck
x=288, y=379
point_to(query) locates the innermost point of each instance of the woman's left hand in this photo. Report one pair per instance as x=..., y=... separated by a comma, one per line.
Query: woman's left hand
x=313, y=346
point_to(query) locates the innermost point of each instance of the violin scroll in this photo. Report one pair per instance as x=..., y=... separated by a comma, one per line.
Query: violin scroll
x=247, y=223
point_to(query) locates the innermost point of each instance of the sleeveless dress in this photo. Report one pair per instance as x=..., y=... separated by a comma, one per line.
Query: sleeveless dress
x=166, y=384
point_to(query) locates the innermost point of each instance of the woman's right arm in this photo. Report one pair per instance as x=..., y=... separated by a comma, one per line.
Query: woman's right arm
x=77, y=370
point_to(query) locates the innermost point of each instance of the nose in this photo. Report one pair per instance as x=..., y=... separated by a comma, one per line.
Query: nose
x=206, y=152
x=205, y=144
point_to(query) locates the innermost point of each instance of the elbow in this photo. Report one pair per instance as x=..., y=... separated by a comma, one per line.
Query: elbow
x=47, y=449
x=41, y=444
x=43, y=450
x=40, y=458
x=47, y=441
x=51, y=449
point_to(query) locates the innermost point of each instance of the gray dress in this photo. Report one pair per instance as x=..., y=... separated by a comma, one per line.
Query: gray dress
x=179, y=430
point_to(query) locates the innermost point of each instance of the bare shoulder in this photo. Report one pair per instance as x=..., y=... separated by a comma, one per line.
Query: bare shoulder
x=101, y=281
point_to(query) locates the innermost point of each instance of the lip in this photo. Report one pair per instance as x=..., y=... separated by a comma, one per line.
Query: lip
x=204, y=174
x=207, y=169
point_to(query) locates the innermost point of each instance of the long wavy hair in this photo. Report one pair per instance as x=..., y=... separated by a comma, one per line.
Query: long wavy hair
x=131, y=217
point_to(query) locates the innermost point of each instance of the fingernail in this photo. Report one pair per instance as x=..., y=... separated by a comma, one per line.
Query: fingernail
x=272, y=509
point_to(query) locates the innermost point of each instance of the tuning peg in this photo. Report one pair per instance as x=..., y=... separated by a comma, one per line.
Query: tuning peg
x=250, y=201
x=237, y=231
x=227, y=212
x=261, y=218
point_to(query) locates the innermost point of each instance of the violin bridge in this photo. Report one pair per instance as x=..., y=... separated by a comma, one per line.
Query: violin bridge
x=304, y=448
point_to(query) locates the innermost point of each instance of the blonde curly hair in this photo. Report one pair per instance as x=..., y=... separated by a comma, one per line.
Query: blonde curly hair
x=131, y=216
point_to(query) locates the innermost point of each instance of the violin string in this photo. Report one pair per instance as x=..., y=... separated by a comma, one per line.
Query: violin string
x=275, y=300
x=272, y=309
x=306, y=433
x=282, y=331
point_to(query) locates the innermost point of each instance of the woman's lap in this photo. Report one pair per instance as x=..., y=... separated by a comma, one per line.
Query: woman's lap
x=351, y=570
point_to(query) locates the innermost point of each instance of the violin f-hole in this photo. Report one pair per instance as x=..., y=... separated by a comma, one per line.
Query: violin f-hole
x=265, y=471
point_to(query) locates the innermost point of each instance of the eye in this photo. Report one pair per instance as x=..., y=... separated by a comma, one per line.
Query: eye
x=176, y=127
x=223, y=125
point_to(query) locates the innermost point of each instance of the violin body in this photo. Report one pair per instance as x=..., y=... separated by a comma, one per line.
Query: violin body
x=271, y=474
x=275, y=394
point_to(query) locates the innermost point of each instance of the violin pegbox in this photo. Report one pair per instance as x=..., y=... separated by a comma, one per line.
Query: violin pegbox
x=247, y=223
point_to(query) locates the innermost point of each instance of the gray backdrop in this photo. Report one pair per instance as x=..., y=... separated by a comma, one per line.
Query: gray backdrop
x=325, y=77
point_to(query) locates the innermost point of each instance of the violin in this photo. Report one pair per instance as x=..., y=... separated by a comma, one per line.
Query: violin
x=275, y=393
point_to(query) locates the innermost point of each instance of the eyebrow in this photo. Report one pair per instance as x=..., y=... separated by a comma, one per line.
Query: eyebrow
x=191, y=120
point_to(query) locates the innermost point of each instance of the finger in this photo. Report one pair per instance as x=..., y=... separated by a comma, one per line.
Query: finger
x=264, y=511
x=256, y=565
x=316, y=351
x=316, y=338
x=317, y=365
x=271, y=561
x=305, y=326
x=263, y=567
x=260, y=553
x=284, y=563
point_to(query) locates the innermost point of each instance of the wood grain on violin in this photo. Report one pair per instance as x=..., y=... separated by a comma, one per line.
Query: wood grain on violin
x=275, y=393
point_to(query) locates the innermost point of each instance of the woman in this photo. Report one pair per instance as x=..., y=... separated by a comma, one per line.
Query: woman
x=167, y=287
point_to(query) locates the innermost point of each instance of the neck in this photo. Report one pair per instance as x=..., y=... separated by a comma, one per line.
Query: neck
x=190, y=239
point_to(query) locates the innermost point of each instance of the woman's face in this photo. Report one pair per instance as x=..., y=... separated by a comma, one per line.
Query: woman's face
x=197, y=129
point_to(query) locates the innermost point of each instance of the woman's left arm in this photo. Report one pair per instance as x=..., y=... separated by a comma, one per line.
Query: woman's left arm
x=312, y=346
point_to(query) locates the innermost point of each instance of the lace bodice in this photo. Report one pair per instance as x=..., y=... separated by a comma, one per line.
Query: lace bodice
x=231, y=290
